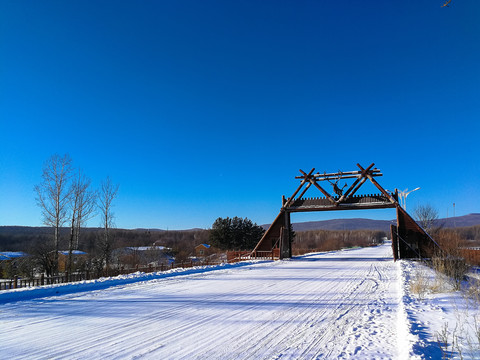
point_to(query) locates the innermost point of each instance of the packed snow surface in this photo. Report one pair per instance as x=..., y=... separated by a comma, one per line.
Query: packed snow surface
x=341, y=305
x=335, y=305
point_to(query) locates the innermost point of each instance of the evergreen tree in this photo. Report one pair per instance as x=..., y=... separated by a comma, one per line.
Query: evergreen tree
x=235, y=234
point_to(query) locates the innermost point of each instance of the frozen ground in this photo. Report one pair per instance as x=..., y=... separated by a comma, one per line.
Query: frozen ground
x=351, y=304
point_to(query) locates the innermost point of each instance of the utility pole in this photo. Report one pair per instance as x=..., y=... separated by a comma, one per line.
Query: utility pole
x=454, y=215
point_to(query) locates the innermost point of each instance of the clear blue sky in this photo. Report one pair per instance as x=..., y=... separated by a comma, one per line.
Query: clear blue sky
x=206, y=109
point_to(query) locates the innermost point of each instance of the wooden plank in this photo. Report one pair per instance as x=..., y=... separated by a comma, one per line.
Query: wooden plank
x=338, y=176
x=288, y=225
x=282, y=241
x=354, y=172
x=394, y=236
x=364, y=206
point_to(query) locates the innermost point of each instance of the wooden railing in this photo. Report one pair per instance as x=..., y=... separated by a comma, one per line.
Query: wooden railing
x=472, y=256
x=232, y=257
x=235, y=256
x=18, y=282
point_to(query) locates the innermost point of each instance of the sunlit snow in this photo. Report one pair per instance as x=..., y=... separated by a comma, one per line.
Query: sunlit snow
x=351, y=304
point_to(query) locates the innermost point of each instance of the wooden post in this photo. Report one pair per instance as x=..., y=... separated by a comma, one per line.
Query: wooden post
x=15, y=281
x=281, y=243
x=395, y=240
x=286, y=247
x=401, y=235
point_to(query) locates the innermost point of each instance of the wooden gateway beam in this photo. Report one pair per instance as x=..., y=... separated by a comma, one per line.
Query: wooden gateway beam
x=408, y=239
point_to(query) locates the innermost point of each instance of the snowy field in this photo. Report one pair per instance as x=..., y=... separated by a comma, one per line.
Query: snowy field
x=351, y=304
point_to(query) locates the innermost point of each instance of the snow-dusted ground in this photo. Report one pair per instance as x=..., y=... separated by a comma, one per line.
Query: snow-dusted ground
x=351, y=304
x=438, y=314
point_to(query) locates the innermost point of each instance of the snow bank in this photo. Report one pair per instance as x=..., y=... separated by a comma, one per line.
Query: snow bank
x=438, y=313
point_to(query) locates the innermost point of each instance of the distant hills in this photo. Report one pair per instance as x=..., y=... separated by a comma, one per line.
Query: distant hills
x=345, y=224
x=45, y=230
x=383, y=225
x=334, y=224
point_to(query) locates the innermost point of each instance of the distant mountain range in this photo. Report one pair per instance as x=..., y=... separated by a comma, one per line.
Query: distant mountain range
x=384, y=225
x=335, y=224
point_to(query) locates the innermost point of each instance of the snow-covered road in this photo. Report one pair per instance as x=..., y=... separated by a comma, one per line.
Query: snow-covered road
x=337, y=305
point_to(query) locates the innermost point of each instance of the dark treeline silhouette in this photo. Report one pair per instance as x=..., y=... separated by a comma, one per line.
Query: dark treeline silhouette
x=31, y=240
x=19, y=238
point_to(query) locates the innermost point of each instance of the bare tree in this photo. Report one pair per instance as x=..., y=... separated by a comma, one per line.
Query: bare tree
x=82, y=207
x=427, y=217
x=86, y=210
x=53, y=196
x=108, y=192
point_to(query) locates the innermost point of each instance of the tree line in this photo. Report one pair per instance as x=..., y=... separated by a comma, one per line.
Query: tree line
x=329, y=240
x=37, y=242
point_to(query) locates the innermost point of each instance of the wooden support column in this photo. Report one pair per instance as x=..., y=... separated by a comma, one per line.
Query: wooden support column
x=285, y=244
x=288, y=248
x=401, y=236
x=282, y=241
x=395, y=240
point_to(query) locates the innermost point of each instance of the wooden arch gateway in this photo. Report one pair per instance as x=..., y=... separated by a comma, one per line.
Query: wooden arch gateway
x=409, y=240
